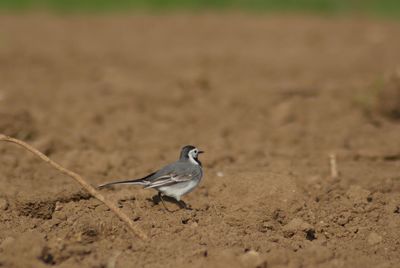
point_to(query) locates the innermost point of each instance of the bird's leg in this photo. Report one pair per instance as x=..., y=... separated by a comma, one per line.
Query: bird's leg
x=162, y=200
x=182, y=204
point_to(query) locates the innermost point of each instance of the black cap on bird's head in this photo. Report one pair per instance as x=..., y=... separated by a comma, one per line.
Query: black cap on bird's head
x=190, y=152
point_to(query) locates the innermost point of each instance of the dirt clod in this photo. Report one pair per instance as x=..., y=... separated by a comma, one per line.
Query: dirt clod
x=374, y=238
x=298, y=225
x=36, y=208
x=358, y=195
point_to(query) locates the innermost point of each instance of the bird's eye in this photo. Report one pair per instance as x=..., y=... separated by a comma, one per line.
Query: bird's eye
x=195, y=151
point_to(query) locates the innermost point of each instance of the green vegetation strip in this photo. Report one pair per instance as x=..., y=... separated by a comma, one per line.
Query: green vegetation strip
x=374, y=7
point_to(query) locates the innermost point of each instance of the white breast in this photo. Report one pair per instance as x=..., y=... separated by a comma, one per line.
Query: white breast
x=179, y=189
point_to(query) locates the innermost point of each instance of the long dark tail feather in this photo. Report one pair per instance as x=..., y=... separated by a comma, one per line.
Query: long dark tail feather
x=141, y=181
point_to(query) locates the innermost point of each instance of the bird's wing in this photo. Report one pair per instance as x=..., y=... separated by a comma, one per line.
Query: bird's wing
x=171, y=177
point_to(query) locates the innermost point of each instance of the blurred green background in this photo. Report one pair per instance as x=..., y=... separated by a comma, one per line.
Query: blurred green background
x=370, y=7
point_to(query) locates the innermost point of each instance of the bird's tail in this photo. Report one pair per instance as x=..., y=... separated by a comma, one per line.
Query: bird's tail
x=134, y=182
x=141, y=181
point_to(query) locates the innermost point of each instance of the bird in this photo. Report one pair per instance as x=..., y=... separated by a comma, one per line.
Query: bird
x=173, y=180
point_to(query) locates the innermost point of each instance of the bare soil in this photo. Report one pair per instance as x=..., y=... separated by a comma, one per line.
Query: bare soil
x=268, y=98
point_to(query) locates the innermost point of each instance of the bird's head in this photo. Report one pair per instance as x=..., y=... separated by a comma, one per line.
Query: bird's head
x=191, y=153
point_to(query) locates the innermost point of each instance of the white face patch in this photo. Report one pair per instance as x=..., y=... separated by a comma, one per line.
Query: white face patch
x=193, y=155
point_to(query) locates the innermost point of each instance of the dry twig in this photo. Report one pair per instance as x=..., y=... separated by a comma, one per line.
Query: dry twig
x=333, y=165
x=135, y=229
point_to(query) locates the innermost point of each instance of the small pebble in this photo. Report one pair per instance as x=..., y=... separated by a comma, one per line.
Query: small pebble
x=252, y=259
x=59, y=206
x=3, y=204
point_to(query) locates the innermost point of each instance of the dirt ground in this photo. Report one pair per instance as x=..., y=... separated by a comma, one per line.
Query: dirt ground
x=268, y=98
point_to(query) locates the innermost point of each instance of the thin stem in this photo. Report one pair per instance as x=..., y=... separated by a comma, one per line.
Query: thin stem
x=333, y=166
x=135, y=229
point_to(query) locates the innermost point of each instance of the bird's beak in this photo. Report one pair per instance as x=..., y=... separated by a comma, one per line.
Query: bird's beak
x=201, y=152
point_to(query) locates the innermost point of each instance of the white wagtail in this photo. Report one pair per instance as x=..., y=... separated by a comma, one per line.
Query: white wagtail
x=173, y=180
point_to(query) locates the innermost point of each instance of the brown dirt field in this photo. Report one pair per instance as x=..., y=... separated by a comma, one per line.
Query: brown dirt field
x=267, y=97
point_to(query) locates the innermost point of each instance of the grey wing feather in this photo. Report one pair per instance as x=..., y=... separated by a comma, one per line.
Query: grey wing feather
x=169, y=179
x=169, y=175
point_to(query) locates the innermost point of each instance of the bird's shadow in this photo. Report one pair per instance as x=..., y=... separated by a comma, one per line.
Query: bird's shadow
x=181, y=204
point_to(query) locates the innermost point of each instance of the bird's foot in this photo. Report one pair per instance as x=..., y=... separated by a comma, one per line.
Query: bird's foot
x=160, y=198
x=183, y=205
x=165, y=199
